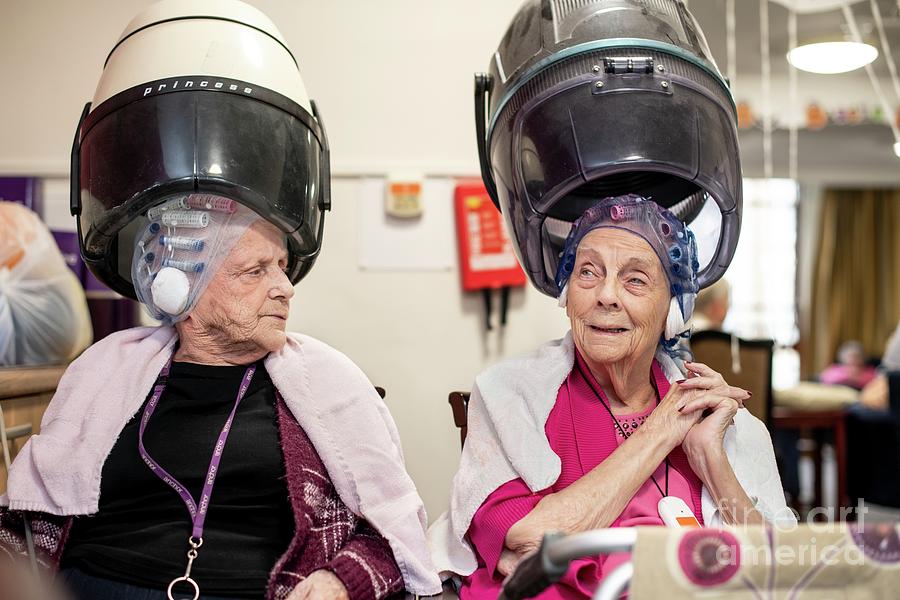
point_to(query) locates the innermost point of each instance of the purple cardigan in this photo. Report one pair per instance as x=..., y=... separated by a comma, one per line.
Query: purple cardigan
x=327, y=534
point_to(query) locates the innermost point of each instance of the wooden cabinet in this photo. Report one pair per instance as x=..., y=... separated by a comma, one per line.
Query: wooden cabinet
x=24, y=395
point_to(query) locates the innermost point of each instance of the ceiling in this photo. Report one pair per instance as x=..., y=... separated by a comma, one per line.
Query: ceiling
x=712, y=17
x=836, y=154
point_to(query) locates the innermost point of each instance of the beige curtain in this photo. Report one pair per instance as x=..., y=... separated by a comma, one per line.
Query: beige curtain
x=856, y=277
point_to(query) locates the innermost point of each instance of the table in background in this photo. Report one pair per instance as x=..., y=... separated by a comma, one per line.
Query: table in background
x=805, y=421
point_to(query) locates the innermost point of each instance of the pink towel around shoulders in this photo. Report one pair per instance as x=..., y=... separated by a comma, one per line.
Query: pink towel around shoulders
x=58, y=471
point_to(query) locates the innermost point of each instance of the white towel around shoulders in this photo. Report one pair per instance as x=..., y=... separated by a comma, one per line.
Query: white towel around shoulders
x=508, y=409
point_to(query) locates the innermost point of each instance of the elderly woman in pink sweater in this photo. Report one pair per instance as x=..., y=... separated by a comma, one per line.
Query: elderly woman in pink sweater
x=594, y=430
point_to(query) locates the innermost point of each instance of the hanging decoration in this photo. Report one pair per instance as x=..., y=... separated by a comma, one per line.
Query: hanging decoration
x=793, y=141
x=746, y=117
x=873, y=79
x=766, y=63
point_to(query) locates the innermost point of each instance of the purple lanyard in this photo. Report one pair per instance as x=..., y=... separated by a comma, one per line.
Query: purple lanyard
x=198, y=513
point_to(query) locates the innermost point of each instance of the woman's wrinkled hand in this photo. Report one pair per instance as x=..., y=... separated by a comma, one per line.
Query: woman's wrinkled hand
x=508, y=562
x=320, y=585
x=718, y=403
x=523, y=538
x=683, y=408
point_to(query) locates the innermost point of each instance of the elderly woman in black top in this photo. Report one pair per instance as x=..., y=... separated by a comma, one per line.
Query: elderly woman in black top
x=203, y=457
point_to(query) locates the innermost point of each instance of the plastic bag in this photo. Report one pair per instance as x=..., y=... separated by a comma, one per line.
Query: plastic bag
x=43, y=311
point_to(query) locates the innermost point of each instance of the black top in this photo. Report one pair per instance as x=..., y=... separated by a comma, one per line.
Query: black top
x=140, y=534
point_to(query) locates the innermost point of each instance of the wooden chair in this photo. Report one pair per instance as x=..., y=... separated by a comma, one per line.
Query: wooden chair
x=459, y=403
x=714, y=348
x=24, y=395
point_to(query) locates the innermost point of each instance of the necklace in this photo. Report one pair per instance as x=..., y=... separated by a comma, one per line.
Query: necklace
x=619, y=426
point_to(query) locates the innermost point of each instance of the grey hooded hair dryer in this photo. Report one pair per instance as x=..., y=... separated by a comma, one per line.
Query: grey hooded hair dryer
x=587, y=99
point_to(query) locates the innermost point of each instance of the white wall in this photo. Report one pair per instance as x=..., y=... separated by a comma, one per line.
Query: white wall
x=393, y=77
x=414, y=334
x=394, y=81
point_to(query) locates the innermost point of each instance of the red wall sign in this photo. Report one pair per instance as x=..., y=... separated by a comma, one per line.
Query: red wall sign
x=486, y=256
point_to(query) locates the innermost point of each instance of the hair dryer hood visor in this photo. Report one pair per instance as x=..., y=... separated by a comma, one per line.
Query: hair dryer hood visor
x=198, y=97
x=598, y=98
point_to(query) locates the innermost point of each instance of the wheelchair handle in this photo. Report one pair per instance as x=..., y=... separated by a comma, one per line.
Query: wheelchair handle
x=549, y=563
x=535, y=573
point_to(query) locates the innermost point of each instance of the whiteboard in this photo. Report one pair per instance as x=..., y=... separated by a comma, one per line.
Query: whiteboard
x=425, y=243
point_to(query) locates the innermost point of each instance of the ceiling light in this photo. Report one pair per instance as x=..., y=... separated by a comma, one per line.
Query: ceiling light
x=814, y=6
x=832, y=57
x=897, y=149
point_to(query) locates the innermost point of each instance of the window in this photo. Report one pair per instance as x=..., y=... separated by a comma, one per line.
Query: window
x=763, y=273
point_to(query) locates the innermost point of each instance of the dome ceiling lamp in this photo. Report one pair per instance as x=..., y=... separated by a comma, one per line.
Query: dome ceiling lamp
x=857, y=53
x=831, y=55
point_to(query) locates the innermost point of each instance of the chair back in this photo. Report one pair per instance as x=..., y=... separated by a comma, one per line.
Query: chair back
x=743, y=363
x=459, y=404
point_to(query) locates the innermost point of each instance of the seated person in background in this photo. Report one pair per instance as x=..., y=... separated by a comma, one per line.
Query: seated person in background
x=711, y=307
x=44, y=316
x=591, y=431
x=851, y=369
x=710, y=311
x=872, y=431
x=311, y=499
x=875, y=394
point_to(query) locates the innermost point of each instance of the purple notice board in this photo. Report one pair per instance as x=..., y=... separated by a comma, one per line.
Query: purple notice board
x=24, y=190
x=109, y=311
x=68, y=245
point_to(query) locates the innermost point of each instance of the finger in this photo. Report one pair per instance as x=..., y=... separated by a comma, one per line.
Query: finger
x=706, y=401
x=503, y=567
x=725, y=410
x=718, y=418
x=729, y=404
x=701, y=369
x=739, y=395
x=675, y=393
x=701, y=382
x=507, y=562
x=719, y=386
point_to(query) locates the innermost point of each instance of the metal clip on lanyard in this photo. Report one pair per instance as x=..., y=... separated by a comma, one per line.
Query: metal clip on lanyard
x=198, y=513
x=191, y=554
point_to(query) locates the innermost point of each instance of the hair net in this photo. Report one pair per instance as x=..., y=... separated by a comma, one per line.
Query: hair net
x=180, y=250
x=672, y=241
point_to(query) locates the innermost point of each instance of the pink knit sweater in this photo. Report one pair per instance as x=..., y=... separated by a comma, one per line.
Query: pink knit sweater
x=582, y=434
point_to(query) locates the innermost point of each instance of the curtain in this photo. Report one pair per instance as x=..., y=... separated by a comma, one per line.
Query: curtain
x=856, y=279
